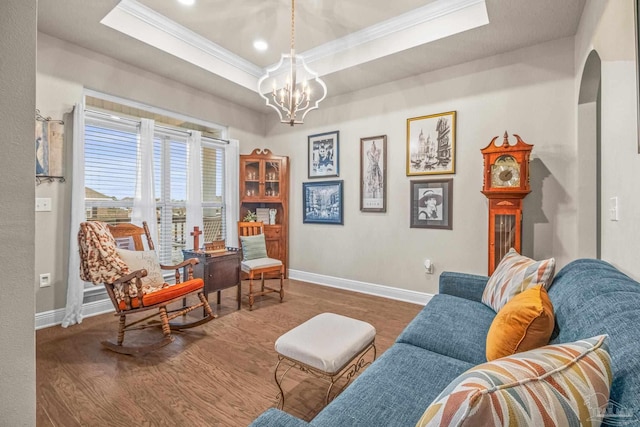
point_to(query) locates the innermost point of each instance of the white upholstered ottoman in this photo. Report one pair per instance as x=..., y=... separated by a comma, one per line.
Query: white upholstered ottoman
x=326, y=346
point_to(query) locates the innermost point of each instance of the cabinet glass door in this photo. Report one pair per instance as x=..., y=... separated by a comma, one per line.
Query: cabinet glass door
x=272, y=178
x=252, y=179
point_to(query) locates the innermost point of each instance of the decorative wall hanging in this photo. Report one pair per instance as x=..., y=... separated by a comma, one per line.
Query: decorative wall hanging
x=322, y=202
x=373, y=174
x=49, y=139
x=431, y=204
x=323, y=153
x=431, y=144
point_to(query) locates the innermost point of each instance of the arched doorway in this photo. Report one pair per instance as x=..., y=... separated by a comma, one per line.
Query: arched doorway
x=589, y=159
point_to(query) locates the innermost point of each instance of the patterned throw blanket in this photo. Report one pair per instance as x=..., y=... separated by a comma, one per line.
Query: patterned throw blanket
x=99, y=260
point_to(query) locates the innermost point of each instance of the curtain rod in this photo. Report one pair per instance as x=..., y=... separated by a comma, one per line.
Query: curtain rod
x=137, y=121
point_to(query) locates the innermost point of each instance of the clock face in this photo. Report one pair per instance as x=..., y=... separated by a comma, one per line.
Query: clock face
x=505, y=172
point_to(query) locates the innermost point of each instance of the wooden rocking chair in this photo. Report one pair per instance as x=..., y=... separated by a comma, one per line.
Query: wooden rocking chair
x=129, y=236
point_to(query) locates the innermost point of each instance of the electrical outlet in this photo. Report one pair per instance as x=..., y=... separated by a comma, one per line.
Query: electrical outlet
x=43, y=204
x=428, y=266
x=45, y=280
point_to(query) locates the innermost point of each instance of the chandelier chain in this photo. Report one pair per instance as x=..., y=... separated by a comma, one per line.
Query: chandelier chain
x=293, y=23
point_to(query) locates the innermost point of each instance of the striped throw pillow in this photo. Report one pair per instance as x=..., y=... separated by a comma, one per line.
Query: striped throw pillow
x=555, y=385
x=516, y=273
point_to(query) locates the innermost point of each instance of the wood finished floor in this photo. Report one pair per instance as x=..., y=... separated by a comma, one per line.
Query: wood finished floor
x=219, y=374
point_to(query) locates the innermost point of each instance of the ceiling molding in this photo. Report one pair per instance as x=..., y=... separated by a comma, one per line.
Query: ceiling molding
x=436, y=20
x=429, y=12
x=161, y=22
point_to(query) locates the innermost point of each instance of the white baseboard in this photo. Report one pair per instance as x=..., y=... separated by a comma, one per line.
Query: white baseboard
x=54, y=317
x=415, y=297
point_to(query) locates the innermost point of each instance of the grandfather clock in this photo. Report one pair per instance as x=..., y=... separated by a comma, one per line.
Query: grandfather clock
x=506, y=184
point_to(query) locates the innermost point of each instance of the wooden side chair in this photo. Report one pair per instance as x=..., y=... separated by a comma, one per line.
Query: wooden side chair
x=134, y=281
x=255, y=259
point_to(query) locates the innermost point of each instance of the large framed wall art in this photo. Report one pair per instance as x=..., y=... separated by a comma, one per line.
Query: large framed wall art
x=322, y=202
x=431, y=144
x=431, y=204
x=373, y=174
x=324, y=155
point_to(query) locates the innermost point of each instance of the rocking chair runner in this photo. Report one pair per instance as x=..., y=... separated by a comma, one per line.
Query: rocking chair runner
x=102, y=262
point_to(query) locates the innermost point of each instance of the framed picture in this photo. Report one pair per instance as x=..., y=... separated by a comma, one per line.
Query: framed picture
x=49, y=139
x=322, y=202
x=324, y=154
x=431, y=144
x=373, y=174
x=431, y=203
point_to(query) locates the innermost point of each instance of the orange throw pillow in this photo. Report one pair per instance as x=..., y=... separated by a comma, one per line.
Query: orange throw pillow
x=524, y=323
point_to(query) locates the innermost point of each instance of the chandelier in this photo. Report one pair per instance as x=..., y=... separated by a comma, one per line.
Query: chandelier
x=295, y=88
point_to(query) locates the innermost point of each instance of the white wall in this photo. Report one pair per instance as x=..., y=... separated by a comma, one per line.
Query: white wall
x=64, y=70
x=529, y=92
x=17, y=104
x=608, y=27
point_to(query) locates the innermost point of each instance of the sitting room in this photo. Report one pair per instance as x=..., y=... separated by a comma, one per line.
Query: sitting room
x=320, y=213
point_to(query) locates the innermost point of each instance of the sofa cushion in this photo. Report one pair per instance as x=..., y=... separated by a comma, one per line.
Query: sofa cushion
x=524, y=323
x=452, y=326
x=394, y=390
x=556, y=385
x=591, y=297
x=514, y=274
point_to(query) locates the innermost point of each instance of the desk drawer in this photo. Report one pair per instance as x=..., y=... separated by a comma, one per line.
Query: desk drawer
x=272, y=232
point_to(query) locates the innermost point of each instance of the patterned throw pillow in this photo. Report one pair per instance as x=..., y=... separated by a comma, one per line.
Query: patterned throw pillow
x=514, y=274
x=556, y=385
x=524, y=323
x=148, y=260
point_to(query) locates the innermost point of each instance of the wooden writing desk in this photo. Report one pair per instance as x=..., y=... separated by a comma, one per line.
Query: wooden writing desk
x=219, y=270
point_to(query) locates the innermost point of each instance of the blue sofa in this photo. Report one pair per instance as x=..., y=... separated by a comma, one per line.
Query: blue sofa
x=448, y=336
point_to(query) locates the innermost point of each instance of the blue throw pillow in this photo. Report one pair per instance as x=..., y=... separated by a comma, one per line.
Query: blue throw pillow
x=253, y=247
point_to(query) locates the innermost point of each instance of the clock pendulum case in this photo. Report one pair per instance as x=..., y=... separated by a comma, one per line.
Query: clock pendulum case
x=506, y=184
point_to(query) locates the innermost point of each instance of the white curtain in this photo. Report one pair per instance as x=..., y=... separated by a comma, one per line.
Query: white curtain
x=232, y=173
x=75, y=285
x=194, y=188
x=144, y=202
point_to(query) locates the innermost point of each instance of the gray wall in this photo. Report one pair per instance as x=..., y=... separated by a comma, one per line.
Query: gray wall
x=608, y=28
x=17, y=108
x=529, y=92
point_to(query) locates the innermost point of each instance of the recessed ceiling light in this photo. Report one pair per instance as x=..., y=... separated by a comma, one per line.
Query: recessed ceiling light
x=260, y=45
x=187, y=2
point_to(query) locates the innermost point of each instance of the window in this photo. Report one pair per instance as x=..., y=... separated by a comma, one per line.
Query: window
x=111, y=164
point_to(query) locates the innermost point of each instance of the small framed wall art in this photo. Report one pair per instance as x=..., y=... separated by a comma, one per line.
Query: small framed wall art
x=49, y=146
x=324, y=154
x=431, y=204
x=322, y=202
x=373, y=174
x=431, y=144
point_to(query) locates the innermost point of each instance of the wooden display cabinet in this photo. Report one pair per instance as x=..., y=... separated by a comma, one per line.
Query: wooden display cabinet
x=264, y=183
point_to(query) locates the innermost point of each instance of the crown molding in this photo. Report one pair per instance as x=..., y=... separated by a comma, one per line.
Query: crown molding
x=438, y=19
x=424, y=14
x=161, y=22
